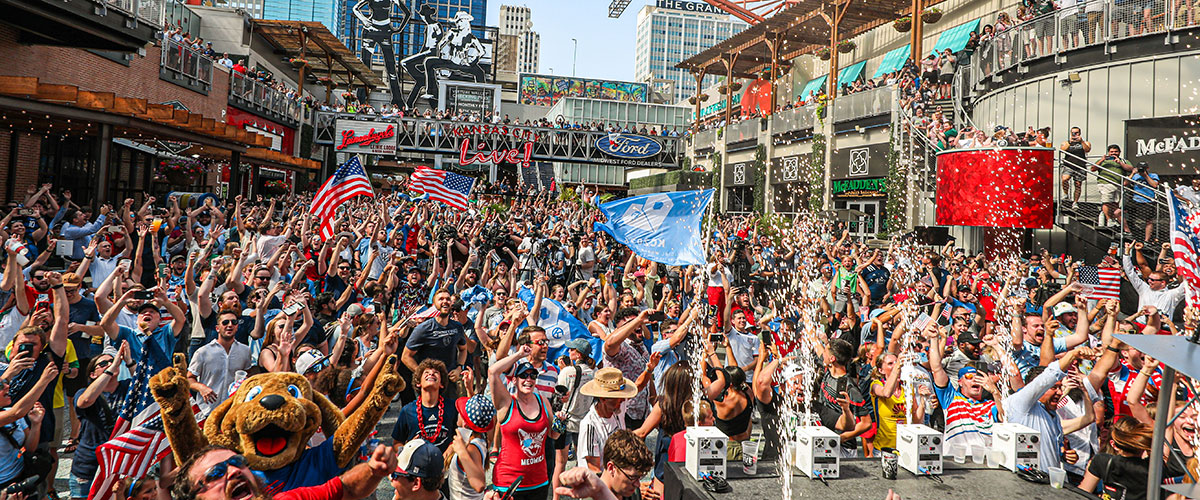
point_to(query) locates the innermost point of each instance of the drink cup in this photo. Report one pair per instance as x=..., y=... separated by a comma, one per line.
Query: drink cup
x=750, y=457
x=959, y=452
x=978, y=454
x=890, y=463
x=995, y=459
x=1057, y=477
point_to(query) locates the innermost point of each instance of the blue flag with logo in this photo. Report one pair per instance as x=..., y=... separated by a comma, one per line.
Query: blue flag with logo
x=560, y=326
x=662, y=227
x=476, y=298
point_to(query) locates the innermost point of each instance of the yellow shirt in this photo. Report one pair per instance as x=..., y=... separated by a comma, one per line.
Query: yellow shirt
x=72, y=362
x=889, y=411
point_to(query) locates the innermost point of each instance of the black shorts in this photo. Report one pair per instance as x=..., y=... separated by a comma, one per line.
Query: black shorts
x=946, y=78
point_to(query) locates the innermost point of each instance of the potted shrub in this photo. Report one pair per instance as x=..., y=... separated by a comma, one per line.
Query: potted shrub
x=735, y=86
x=931, y=15
x=325, y=80
x=846, y=46
x=298, y=62
x=703, y=97
x=823, y=53
x=276, y=186
x=179, y=172
x=903, y=24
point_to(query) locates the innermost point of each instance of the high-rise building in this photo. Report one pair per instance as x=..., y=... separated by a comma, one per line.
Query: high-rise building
x=671, y=31
x=517, y=20
x=321, y=11
x=412, y=39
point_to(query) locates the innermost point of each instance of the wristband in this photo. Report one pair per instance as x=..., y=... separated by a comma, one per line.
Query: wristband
x=1113, y=349
x=56, y=287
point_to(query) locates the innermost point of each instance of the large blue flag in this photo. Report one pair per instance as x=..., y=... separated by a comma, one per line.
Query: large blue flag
x=560, y=326
x=662, y=227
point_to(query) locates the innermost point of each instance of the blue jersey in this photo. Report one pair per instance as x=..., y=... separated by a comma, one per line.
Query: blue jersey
x=315, y=467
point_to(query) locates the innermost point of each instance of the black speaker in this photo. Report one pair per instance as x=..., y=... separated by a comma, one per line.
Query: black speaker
x=931, y=235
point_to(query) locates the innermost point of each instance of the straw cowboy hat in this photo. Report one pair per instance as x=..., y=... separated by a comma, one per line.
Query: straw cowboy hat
x=608, y=383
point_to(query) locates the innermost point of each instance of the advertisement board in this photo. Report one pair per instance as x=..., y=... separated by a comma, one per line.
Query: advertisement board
x=545, y=90
x=367, y=137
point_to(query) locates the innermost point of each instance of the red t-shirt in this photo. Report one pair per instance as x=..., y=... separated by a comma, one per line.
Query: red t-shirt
x=677, y=451
x=33, y=297
x=331, y=490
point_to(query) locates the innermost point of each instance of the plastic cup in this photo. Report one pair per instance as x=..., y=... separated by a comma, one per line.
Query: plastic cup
x=959, y=452
x=1057, y=477
x=978, y=454
x=749, y=458
x=995, y=459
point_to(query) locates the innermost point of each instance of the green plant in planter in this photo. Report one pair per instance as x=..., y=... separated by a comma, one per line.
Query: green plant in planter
x=760, y=178
x=815, y=173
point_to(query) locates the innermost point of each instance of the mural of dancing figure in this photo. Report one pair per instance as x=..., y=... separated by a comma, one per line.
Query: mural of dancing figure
x=415, y=64
x=459, y=50
x=377, y=31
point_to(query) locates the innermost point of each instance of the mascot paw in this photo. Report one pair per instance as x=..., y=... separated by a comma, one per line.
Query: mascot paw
x=389, y=379
x=169, y=386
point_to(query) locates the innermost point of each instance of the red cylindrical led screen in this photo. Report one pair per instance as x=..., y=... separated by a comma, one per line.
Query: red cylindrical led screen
x=996, y=187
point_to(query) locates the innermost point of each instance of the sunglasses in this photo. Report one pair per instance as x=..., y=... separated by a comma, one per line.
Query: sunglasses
x=229, y=322
x=540, y=342
x=218, y=471
x=262, y=277
x=969, y=376
x=396, y=476
x=317, y=367
x=527, y=375
x=104, y=364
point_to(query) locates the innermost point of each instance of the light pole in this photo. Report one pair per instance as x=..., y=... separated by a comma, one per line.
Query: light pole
x=574, y=55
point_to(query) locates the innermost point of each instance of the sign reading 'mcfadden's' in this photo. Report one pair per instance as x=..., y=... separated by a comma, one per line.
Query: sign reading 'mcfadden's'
x=1171, y=145
x=355, y=136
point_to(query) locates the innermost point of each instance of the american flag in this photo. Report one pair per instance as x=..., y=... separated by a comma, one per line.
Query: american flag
x=1184, y=243
x=1100, y=282
x=447, y=187
x=132, y=452
x=348, y=181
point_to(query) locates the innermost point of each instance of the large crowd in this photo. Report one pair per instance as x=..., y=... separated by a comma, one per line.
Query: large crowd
x=449, y=309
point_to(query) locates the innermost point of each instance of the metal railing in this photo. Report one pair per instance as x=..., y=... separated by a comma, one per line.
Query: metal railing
x=1083, y=24
x=742, y=131
x=1135, y=211
x=705, y=139
x=798, y=118
x=264, y=97
x=148, y=11
x=872, y=102
x=186, y=61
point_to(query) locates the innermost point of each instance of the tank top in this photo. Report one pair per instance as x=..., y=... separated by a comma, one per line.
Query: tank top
x=1075, y=154
x=523, y=448
x=460, y=486
x=891, y=411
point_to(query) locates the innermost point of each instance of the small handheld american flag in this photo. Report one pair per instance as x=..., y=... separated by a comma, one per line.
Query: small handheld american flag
x=349, y=181
x=1100, y=283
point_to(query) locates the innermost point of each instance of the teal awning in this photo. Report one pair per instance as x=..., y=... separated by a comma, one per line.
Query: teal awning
x=813, y=86
x=850, y=73
x=893, y=61
x=955, y=38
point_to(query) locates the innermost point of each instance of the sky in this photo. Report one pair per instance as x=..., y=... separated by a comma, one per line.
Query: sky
x=605, y=44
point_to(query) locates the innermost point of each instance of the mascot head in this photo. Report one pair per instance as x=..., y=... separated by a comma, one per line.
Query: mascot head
x=270, y=419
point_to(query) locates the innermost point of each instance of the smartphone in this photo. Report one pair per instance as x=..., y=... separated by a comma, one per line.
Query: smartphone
x=24, y=348
x=143, y=295
x=25, y=212
x=657, y=316
x=766, y=336
x=291, y=309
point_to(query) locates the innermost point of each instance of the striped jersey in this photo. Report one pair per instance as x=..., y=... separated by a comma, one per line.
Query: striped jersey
x=968, y=421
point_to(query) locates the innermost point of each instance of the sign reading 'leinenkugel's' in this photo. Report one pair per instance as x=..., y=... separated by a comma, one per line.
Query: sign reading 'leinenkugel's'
x=369, y=137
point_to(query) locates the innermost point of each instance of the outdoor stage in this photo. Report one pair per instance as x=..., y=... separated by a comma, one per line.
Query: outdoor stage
x=861, y=480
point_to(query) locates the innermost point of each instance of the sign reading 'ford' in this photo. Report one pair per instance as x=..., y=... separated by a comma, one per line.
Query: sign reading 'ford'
x=628, y=146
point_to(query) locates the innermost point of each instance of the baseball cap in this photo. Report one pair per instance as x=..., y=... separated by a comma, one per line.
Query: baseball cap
x=71, y=280
x=964, y=288
x=420, y=459
x=178, y=256
x=1031, y=283
x=1062, y=308
x=355, y=310
x=964, y=371
x=523, y=367
x=148, y=305
x=307, y=360
x=969, y=337
x=582, y=345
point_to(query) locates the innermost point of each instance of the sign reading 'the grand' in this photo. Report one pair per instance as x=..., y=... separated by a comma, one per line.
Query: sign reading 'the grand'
x=687, y=6
x=354, y=136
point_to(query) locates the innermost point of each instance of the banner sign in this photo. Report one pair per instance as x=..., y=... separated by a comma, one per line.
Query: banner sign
x=996, y=187
x=1171, y=145
x=545, y=90
x=355, y=136
x=860, y=188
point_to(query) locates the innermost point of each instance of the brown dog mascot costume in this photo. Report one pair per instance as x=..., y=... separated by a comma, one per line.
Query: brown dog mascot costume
x=270, y=419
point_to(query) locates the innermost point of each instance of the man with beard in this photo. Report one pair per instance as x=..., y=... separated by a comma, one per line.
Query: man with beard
x=221, y=474
x=34, y=351
x=428, y=417
x=1034, y=406
x=439, y=337
x=968, y=351
x=213, y=366
x=1027, y=347
x=969, y=415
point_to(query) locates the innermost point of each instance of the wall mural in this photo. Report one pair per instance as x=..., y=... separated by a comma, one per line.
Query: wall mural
x=377, y=31
x=542, y=90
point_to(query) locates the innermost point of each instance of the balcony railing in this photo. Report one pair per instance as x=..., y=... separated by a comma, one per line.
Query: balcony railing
x=799, y=118
x=705, y=139
x=148, y=11
x=264, y=98
x=1095, y=22
x=183, y=60
x=877, y=101
x=743, y=131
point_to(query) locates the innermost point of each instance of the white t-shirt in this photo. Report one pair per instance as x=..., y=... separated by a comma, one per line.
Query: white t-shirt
x=586, y=254
x=579, y=404
x=594, y=431
x=456, y=477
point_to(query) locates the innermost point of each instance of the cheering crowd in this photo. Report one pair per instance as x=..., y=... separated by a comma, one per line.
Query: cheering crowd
x=526, y=351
